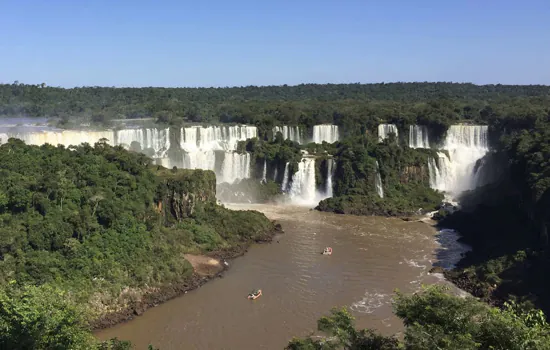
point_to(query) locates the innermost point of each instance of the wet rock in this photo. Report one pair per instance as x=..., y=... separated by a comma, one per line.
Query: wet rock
x=437, y=269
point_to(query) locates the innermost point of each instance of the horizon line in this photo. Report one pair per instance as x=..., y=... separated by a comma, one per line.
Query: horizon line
x=269, y=86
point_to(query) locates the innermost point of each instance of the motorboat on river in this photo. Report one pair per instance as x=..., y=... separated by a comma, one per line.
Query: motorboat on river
x=255, y=294
x=327, y=251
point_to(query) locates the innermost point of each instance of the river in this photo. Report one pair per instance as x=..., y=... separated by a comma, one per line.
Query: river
x=372, y=257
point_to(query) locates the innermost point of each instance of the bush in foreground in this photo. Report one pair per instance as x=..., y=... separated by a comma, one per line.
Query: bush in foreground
x=434, y=320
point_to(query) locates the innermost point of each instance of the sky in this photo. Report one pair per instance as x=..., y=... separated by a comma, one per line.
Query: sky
x=273, y=42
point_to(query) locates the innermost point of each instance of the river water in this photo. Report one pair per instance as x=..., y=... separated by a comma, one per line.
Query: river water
x=372, y=256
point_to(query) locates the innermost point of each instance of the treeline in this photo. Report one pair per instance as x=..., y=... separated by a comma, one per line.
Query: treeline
x=352, y=106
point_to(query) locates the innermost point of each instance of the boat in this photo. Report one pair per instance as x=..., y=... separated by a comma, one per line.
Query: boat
x=327, y=251
x=255, y=294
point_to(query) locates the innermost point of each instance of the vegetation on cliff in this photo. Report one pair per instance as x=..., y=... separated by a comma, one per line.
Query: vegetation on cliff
x=403, y=172
x=506, y=223
x=100, y=227
x=435, y=320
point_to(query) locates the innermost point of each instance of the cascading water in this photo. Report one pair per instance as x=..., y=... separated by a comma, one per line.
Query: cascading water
x=264, y=173
x=284, y=185
x=292, y=133
x=202, y=145
x=156, y=139
x=466, y=144
x=418, y=136
x=378, y=182
x=302, y=187
x=65, y=137
x=209, y=148
x=235, y=167
x=325, y=132
x=330, y=174
x=384, y=130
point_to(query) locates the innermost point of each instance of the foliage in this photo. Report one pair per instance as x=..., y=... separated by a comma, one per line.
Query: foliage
x=404, y=175
x=348, y=105
x=434, y=320
x=82, y=225
x=41, y=317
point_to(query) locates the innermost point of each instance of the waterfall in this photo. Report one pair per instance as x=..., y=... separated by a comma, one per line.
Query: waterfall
x=418, y=136
x=203, y=144
x=275, y=173
x=158, y=140
x=264, y=174
x=466, y=144
x=378, y=182
x=302, y=187
x=235, y=167
x=325, y=132
x=384, y=130
x=292, y=133
x=65, y=137
x=330, y=174
x=284, y=186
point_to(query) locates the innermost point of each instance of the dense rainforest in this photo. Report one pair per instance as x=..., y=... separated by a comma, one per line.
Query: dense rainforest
x=505, y=222
x=91, y=232
x=354, y=107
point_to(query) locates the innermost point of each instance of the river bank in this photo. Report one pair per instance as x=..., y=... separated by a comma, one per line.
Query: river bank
x=372, y=257
x=152, y=297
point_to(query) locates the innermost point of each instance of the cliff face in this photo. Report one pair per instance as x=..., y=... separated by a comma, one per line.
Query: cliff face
x=181, y=191
x=412, y=173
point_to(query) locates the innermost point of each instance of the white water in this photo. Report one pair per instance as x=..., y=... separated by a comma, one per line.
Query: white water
x=202, y=146
x=378, y=182
x=384, y=131
x=466, y=144
x=264, y=173
x=215, y=138
x=292, y=133
x=65, y=137
x=330, y=174
x=325, y=132
x=156, y=139
x=302, y=187
x=235, y=167
x=284, y=186
x=418, y=136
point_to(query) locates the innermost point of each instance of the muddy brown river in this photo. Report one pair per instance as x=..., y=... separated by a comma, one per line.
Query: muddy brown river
x=372, y=257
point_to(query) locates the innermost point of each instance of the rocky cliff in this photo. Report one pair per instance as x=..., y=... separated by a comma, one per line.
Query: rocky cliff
x=182, y=191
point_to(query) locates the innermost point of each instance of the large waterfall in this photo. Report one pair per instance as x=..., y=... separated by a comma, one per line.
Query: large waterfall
x=156, y=139
x=235, y=166
x=325, y=132
x=466, y=144
x=64, y=137
x=210, y=147
x=302, y=188
x=292, y=133
x=204, y=146
x=384, y=131
x=418, y=136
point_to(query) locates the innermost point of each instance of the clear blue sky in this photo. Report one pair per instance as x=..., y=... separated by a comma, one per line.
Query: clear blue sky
x=271, y=42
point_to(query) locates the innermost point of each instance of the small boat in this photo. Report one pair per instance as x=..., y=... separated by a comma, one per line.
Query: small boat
x=327, y=251
x=255, y=294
